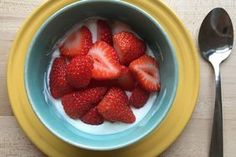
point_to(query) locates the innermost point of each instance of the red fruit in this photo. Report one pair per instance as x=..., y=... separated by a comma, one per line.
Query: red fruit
x=78, y=43
x=138, y=97
x=106, y=63
x=102, y=83
x=104, y=32
x=79, y=103
x=92, y=117
x=126, y=80
x=128, y=47
x=114, y=106
x=145, y=69
x=57, y=79
x=79, y=71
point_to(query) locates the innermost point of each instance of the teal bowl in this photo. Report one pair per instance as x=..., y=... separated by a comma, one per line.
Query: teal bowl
x=40, y=53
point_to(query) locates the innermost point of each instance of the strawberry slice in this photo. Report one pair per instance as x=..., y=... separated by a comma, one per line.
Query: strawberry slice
x=106, y=63
x=138, y=97
x=145, y=69
x=104, y=32
x=102, y=83
x=114, y=107
x=78, y=43
x=128, y=47
x=57, y=78
x=126, y=80
x=92, y=117
x=79, y=71
x=79, y=103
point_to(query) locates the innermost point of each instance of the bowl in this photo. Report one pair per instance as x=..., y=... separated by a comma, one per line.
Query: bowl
x=110, y=136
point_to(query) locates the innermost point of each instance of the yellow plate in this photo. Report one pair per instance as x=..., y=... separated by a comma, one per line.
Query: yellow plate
x=154, y=143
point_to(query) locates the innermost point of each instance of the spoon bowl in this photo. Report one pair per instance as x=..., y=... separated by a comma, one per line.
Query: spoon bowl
x=216, y=36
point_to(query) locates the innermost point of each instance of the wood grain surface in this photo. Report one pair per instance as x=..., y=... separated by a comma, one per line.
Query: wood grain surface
x=194, y=142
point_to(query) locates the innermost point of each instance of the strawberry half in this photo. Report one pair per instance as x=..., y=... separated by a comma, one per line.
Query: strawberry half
x=57, y=78
x=128, y=47
x=126, y=80
x=106, y=63
x=92, y=117
x=145, y=69
x=104, y=32
x=79, y=103
x=103, y=83
x=138, y=97
x=114, y=107
x=78, y=43
x=79, y=71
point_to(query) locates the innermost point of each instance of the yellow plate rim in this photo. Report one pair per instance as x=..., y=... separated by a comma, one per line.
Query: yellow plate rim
x=188, y=81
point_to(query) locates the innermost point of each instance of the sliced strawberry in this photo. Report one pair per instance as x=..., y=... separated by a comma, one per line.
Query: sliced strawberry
x=126, y=80
x=102, y=83
x=106, y=63
x=78, y=43
x=138, y=97
x=128, y=47
x=79, y=103
x=114, y=107
x=57, y=79
x=118, y=27
x=79, y=71
x=104, y=32
x=92, y=117
x=145, y=69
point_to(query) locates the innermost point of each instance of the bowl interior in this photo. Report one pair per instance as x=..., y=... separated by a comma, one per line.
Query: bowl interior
x=39, y=57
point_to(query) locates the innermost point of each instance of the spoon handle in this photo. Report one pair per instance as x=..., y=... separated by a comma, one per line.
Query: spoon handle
x=216, y=148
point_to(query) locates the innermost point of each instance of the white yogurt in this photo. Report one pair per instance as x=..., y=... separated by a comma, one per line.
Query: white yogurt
x=106, y=127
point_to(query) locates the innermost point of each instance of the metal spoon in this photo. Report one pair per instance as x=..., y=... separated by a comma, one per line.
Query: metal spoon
x=215, y=42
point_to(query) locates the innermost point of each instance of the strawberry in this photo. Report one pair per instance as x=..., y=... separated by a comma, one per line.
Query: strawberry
x=92, y=117
x=106, y=63
x=79, y=71
x=79, y=103
x=114, y=106
x=126, y=80
x=78, y=43
x=57, y=78
x=102, y=83
x=138, y=97
x=118, y=27
x=145, y=69
x=104, y=32
x=128, y=47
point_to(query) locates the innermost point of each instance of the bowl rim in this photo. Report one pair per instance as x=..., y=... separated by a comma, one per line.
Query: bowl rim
x=172, y=97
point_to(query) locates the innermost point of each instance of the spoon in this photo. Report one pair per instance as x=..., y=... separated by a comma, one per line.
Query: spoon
x=215, y=42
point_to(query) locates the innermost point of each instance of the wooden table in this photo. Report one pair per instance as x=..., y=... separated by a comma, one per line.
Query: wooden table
x=194, y=142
